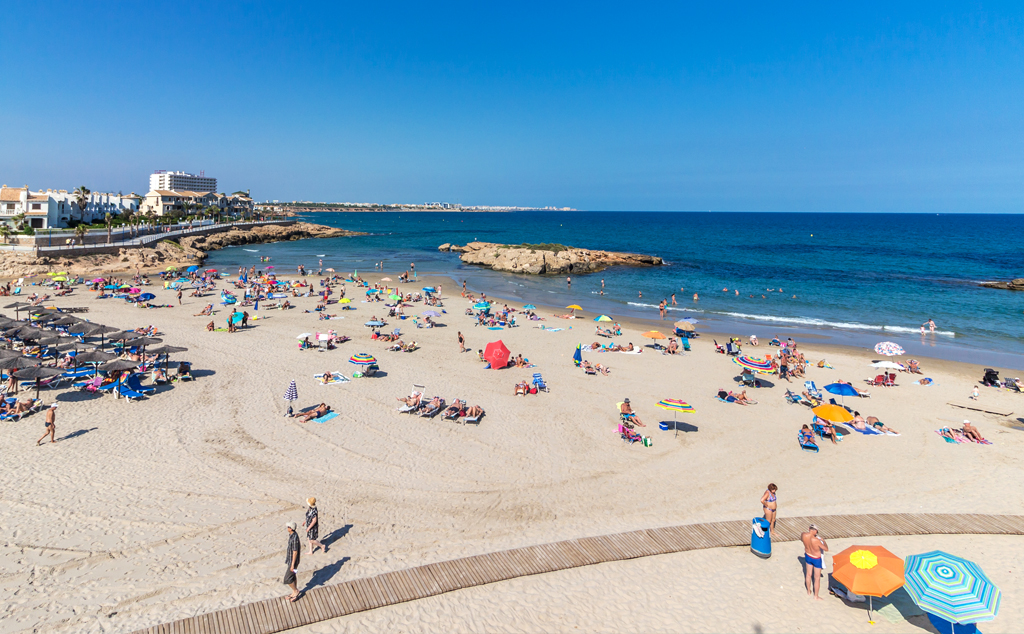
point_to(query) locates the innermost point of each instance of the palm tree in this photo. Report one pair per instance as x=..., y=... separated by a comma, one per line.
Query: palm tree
x=19, y=221
x=129, y=218
x=108, y=220
x=82, y=199
x=5, y=231
x=80, y=231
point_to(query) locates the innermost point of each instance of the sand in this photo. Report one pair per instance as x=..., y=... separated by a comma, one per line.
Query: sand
x=150, y=511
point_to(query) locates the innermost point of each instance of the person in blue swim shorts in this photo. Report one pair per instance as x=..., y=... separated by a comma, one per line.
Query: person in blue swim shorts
x=814, y=551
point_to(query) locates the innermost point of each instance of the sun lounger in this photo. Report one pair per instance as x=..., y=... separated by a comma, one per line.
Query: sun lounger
x=135, y=385
x=430, y=412
x=538, y=382
x=128, y=393
x=805, y=444
x=812, y=389
x=473, y=419
x=820, y=431
x=92, y=385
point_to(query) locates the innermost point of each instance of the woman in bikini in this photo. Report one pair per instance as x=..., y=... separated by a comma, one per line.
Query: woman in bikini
x=770, y=505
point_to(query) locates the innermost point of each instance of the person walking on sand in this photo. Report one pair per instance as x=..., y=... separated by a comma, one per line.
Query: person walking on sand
x=462, y=342
x=814, y=550
x=179, y=297
x=312, y=526
x=770, y=505
x=292, y=558
x=51, y=425
x=974, y=393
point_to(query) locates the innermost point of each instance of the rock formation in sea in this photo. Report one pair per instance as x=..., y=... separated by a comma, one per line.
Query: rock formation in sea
x=1016, y=284
x=541, y=259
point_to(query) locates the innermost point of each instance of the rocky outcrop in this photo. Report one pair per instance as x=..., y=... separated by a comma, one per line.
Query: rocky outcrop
x=264, y=233
x=1013, y=285
x=545, y=259
x=162, y=255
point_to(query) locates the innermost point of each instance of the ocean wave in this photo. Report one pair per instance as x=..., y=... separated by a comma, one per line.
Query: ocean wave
x=809, y=321
x=252, y=250
x=675, y=308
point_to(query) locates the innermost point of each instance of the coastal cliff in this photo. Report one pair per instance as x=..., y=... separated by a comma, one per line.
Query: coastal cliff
x=545, y=259
x=1013, y=285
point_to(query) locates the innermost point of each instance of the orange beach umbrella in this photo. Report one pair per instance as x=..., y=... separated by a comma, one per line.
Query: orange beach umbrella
x=653, y=334
x=868, y=570
x=833, y=413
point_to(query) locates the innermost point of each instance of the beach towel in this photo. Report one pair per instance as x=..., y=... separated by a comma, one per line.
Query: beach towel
x=868, y=431
x=495, y=328
x=337, y=378
x=549, y=329
x=928, y=381
x=634, y=351
x=326, y=417
x=947, y=438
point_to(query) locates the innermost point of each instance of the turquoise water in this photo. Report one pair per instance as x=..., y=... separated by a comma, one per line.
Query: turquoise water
x=857, y=278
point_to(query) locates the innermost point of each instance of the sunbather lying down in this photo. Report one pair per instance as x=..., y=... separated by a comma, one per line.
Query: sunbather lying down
x=877, y=424
x=473, y=411
x=522, y=388
x=413, y=400
x=316, y=412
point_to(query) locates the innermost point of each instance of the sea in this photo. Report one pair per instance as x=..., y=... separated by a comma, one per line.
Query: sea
x=844, y=278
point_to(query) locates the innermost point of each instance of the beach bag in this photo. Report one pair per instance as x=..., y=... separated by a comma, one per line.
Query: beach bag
x=648, y=441
x=533, y=390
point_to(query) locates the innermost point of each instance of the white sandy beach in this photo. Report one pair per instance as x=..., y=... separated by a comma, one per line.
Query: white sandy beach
x=175, y=505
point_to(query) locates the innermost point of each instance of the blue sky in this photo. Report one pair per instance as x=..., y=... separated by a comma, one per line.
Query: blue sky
x=913, y=107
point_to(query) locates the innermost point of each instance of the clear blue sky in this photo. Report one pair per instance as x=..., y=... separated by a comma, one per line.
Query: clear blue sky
x=899, y=107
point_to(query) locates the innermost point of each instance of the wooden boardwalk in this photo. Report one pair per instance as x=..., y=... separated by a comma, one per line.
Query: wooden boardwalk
x=390, y=588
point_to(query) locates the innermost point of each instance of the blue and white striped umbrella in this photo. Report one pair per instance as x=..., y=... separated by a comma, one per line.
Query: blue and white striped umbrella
x=292, y=393
x=950, y=587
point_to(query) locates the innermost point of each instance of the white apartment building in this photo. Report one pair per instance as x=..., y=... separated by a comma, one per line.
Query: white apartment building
x=162, y=202
x=15, y=201
x=97, y=206
x=181, y=181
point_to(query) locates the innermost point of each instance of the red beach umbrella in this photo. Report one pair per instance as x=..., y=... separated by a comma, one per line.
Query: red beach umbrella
x=497, y=354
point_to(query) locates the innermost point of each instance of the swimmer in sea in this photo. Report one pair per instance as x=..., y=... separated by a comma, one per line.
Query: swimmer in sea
x=695, y=297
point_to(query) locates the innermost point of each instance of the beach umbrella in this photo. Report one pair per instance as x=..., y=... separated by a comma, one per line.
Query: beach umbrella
x=13, y=363
x=303, y=335
x=145, y=297
x=146, y=341
x=5, y=320
x=496, y=353
x=171, y=268
x=888, y=365
x=374, y=291
x=66, y=320
x=529, y=307
x=430, y=313
x=119, y=364
x=653, y=334
x=952, y=588
x=60, y=278
x=868, y=570
x=110, y=287
x=577, y=356
x=344, y=300
x=842, y=390
x=37, y=372
x=429, y=289
x=134, y=291
x=754, y=364
x=603, y=318
x=122, y=335
x=676, y=406
x=95, y=356
x=291, y=395
x=833, y=413
x=192, y=269
x=362, y=358
x=574, y=307
x=481, y=306
x=7, y=353
x=17, y=306
x=211, y=270
x=98, y=280
x=889, y=349
x=684, y=325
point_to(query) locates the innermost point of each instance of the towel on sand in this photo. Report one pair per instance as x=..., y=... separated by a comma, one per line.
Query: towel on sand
x=326, y=417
